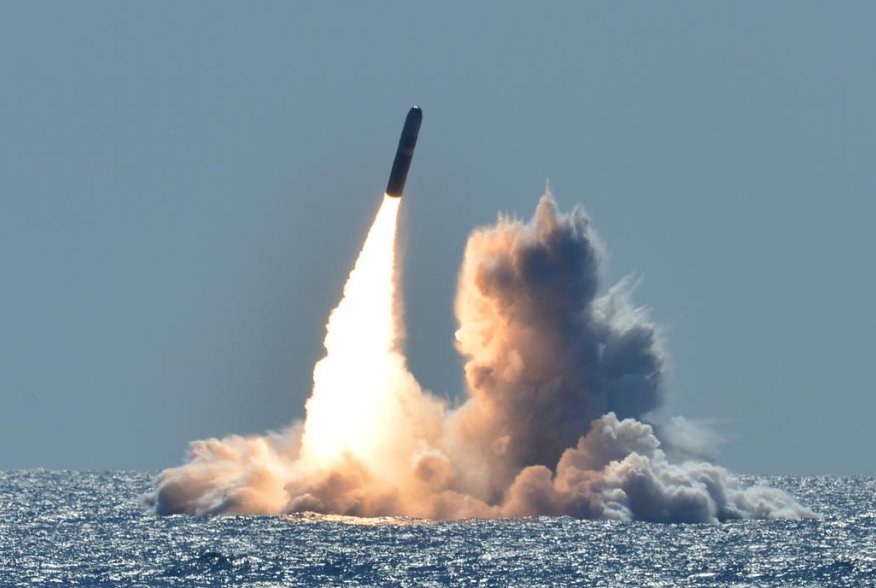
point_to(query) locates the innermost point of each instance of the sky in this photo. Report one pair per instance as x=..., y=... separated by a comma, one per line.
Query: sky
x=184, y=187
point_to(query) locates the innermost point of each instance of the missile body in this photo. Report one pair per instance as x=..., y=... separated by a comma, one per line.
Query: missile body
x=404, y=153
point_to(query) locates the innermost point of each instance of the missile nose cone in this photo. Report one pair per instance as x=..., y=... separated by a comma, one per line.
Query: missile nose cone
x=405, y=152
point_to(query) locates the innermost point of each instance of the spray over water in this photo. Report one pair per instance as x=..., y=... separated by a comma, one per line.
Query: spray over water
x=561, y=382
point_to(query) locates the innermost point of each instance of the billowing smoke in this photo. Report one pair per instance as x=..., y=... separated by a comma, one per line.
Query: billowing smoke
x=561, y=383
x=545, y=357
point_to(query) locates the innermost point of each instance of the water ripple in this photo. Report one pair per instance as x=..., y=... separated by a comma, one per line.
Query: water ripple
x=90, y=529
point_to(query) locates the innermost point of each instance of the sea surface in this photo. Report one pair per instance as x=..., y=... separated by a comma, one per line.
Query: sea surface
x=91, y=529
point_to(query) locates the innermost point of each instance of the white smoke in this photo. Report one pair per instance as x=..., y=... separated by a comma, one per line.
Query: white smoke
x=560, y=385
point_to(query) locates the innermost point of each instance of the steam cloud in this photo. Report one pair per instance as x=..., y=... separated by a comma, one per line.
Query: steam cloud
x=560, y=385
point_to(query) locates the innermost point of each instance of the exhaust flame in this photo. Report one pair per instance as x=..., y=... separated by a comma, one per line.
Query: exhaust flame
x=350, y=383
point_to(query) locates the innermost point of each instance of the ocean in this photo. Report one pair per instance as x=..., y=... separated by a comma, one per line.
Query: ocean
x=60, y=528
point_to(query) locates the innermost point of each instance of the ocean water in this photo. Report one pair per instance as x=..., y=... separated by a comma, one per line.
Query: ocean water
x=91, y=529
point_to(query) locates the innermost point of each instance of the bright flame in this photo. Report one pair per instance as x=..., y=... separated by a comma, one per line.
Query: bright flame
x=349, y=403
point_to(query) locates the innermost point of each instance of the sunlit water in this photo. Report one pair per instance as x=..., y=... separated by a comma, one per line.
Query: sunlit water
x=90, y=529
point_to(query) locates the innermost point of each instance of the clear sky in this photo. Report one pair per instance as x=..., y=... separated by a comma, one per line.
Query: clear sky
x=184, y=186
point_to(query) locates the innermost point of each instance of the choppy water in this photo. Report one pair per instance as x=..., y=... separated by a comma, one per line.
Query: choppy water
x=90, y=529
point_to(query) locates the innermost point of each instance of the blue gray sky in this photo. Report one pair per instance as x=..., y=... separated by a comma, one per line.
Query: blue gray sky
x=184, y=187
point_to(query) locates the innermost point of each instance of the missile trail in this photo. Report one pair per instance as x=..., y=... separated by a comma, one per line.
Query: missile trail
x=354, y=382
x=351, y=382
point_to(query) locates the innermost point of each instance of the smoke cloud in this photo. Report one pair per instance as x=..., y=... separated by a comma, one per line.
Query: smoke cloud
x=561, y=383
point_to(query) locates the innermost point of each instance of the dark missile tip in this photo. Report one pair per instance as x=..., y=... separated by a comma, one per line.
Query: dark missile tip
x=415, y=113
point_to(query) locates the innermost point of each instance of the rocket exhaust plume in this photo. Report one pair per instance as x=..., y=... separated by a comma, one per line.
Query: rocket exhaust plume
x=560, y=384
x=352, y=384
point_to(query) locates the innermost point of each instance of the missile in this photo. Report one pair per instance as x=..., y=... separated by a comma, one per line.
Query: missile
x=404, y=153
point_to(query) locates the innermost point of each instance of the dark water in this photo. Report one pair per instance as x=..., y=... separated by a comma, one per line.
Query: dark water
x=90, y=529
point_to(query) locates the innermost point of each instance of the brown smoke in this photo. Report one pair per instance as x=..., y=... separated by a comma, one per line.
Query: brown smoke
x=560, y=384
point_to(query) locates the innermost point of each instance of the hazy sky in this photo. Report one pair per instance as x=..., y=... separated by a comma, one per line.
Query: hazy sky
x=184, y=186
